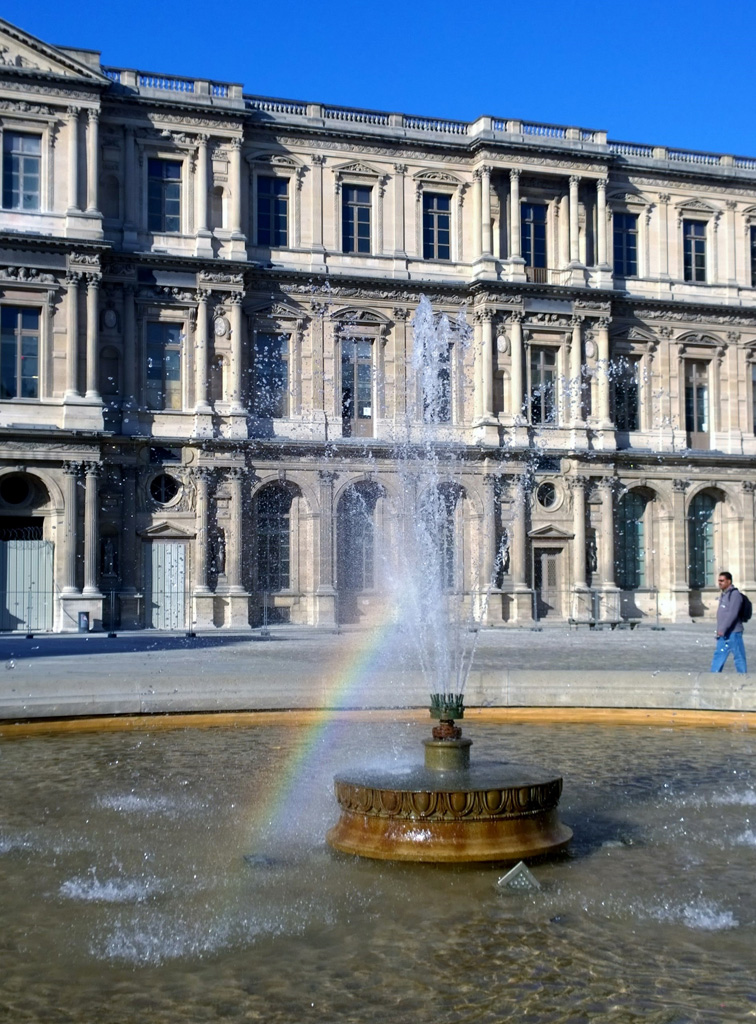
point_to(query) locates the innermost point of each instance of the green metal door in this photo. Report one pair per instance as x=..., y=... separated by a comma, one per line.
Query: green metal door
x=166, y=585
x=26, y=578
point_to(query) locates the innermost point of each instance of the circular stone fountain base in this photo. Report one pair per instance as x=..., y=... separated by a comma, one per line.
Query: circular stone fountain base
x=489, y=812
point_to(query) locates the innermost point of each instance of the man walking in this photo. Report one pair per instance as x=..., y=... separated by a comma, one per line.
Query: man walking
x=729, y=626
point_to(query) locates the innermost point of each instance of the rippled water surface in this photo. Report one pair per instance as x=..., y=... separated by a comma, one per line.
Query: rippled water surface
x=183, y=877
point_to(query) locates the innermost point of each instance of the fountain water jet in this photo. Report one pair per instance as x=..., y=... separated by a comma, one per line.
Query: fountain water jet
x=445, y=810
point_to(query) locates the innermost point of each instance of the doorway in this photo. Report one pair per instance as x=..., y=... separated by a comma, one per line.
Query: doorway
x=547, y=582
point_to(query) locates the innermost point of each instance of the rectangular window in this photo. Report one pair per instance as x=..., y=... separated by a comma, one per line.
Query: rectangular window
x=164, y=365
x=533, y=238
x=542, y=392
x=355, y=214
x=19, y=352
x=273, y=211
x=272, y=375
x=625, y=378
x=625, y=244
x=163, y=195
x=22, y=159
x=357, y=387
x=753, y=257
x=694, y=250
x=436, y=226
x=697, y=404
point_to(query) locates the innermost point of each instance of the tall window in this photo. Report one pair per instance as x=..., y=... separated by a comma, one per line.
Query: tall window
x=625, y=379
x=630, y=543
x=273, y=544
x=753, y=257
x=697, y=403
x=22, y=158
x=19, y=352
x=542, y=394
x=533, y=236
x=625, y=244
x=436, y=226
x=163, y=195
x=694, y=250
x=437, y=404
x=438, y=513
x=355, y=541
x=701, y=542
x=355, y=214
x=164, y=366
x=272, y=375
x=272, y=211
x=357, y=387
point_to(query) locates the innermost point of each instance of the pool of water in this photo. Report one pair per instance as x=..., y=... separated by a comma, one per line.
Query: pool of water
x=183, y=876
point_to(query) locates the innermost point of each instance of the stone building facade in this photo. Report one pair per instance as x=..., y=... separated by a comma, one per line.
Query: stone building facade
x=207, y=302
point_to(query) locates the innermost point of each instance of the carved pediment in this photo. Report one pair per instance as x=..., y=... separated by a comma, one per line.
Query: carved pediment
x=358, y=316
x=166, y=531
x=278, y=311
x=695, y=205
x=21, y=50
x=550, y=533
x=700, y=340
x=356, y=167
x=437, y=177
x=628, y=198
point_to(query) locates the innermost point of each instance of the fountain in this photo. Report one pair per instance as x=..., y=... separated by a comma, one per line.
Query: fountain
x=446, y=810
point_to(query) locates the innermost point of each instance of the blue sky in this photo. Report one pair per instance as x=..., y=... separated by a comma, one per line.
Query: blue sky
x=658, y=72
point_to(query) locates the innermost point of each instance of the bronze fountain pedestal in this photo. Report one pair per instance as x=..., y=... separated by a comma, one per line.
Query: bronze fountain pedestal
x=449, y=811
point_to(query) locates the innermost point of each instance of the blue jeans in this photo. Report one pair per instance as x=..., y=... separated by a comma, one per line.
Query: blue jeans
x=726, y=645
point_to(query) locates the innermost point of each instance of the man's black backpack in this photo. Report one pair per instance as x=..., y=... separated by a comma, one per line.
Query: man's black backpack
x=746, y=608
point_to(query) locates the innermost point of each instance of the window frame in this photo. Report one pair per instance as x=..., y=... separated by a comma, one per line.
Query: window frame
x=164, y=158
x=24, y=133
x=435, y=193
x=181, y=348
x=627, y=359
x=640, y=554
x=543, y=345
x=690, y=272
x=344, y=205
x=706, y=581
x=286, y=397
x=539, y=273
x=694, y=436
x=623, y=235
x=20, y=333
x=269, y=174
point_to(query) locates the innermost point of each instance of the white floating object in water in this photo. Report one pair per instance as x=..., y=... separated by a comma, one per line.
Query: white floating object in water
x=520, y=877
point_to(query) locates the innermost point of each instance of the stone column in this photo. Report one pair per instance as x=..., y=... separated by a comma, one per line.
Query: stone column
x=604, y=412
x=201, y=404
x=400, y=244
x=485, y=211
x=236, y=189
x=93, y=338
x=70, y=485
x=732, y=262
x=317, y=201
x=609, y=599
x=603, y=262
x=515, y=335
x=400, y=315
x=130, y=574
x=680, y=590
x=522, y=606
x=130, y=349
x=748, y=565
x=577, y=486
x=576, y=370
x=130, y=189
x=664, y=235
x=477, y=367
x=235, y=479
x=72, y=115
x=72, y=338
x=477, y=214
x=488, y=540
x=486, y=381
x=326, y=591
x=515, y=240
x=200, y=185
x=574, y=222
x=92, y=471
x=93, y=118
x=564, y=231
x=237, y=353
x=201, y=482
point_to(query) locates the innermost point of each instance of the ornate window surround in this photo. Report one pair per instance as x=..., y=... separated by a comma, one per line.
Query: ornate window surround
x=177, y=152
x=441, y=183
x=642, y=208
x=149, y=312
x=287, y=168
x=640, y=344
x=693, y=208
x=44, y=125
x=351, y=323
x=282, y=318
x=359, y=174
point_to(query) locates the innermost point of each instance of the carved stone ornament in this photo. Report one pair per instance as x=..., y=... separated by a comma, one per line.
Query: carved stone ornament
x=590, y=349
x=221, y=326
x=27, y=275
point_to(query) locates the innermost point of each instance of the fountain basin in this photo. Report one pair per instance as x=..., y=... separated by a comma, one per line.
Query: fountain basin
x=492, y=811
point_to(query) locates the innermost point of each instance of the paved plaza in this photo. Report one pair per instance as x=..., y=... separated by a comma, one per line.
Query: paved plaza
x=297, y=667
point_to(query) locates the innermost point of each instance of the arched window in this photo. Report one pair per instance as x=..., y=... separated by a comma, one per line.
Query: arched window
x=701, y=542
x=356, y=537
x=438, y=511
x=630, y=542
x=273, y=539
